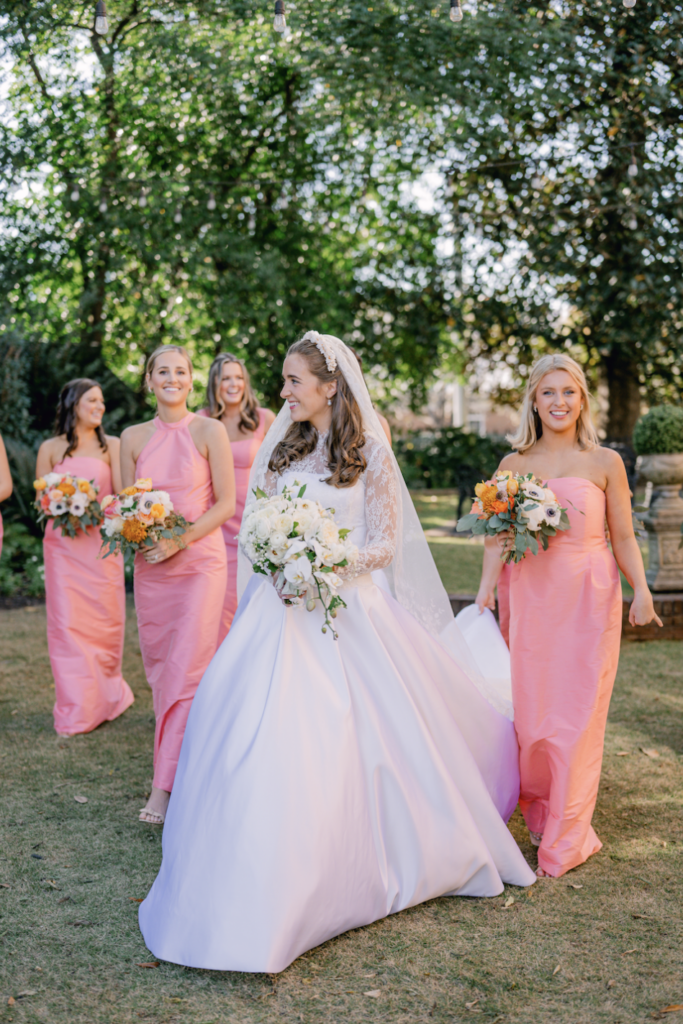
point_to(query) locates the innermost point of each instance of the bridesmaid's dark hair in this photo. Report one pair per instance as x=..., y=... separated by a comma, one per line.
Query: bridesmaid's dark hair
x=249, y=417
x=65, y=421
x=345, y=460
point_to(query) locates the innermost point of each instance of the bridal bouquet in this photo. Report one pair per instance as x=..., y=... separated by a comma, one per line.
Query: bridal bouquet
x=297, y=540
x=71, y=501
x=520, y=504
x=137, y=518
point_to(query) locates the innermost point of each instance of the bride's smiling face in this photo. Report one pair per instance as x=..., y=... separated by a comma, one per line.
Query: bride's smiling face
x=306, y=395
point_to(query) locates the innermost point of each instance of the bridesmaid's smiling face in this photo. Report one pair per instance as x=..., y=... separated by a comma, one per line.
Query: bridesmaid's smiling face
x=231, y=388
x=171, y=379
x=90, y=408
x=558, y=400
x=306, y=394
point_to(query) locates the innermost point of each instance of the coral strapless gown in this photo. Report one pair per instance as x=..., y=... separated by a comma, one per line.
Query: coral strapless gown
x=243, y=455
x=178, y=601
x=565, y=629
x=86, y=613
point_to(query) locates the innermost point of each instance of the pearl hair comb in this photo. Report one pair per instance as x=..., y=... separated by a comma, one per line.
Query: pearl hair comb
x=323, y=347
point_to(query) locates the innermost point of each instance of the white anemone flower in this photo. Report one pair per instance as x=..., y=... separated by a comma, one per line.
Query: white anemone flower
x=79, y=503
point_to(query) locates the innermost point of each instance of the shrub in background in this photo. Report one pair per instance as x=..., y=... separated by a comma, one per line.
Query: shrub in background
x=449, y=458
x=659, y=431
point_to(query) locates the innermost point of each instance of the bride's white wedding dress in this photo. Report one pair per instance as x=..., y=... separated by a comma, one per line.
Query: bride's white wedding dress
x=324, y=784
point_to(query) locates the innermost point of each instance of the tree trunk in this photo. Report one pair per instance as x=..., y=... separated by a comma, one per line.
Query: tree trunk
x=622, y=377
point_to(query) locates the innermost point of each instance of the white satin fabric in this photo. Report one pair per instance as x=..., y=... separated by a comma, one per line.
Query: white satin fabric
x=323, y=785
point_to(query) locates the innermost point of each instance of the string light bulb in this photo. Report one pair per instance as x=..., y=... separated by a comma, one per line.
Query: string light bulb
x=101, y=23
x=211, y=205
x=280, y=22
x=456, y=11
x=629, y=4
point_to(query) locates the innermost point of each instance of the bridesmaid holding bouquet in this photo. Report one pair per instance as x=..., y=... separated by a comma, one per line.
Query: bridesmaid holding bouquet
x=231, y=401
x=565, y=608
x=84, y=595
x=179, y=587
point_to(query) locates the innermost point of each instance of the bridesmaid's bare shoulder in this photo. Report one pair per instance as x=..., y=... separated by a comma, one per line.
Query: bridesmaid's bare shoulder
x=609, y=463
x=268, y=419
x=53, y=449
x=514, y=462
x=135, y=438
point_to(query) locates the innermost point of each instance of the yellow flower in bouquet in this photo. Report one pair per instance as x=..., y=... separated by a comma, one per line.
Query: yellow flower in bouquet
x=138, y=517
x=71, y=502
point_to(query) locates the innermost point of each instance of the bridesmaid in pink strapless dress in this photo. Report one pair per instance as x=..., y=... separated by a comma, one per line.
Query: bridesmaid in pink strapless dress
x=179, y=592
x=84, y=595
x=231, y=400
x=565, y=610
x=5, y=482
x=564, y=657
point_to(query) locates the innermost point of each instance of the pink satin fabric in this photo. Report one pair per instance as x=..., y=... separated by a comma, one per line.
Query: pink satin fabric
x=504, y=603
x=178, y=601
x=565, y=629
x=86, y=614
x=243, y=455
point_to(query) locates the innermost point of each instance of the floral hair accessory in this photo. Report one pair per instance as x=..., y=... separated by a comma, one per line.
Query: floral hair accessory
x=323, y=347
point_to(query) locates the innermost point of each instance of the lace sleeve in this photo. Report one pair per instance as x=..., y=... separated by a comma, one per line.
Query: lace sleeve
x=270, y=483
x=381, y=512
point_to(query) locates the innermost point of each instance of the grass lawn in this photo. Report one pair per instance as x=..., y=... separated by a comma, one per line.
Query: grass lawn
x=602, y=944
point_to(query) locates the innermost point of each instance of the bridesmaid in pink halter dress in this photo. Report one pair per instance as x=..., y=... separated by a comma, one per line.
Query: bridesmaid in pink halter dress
x=565, y=609
x=179, y=592
x=231, y=400
x=5, y=482
x=85, y=595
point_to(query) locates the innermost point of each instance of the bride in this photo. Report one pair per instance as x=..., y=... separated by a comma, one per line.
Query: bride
x=324, y=784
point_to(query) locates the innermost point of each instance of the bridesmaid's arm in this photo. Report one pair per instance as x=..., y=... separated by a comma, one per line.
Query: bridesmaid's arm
x=114, y=446
x=44, y=461
x=5, y=475
x=490, y=573
x=127, y=457
x=624, y=543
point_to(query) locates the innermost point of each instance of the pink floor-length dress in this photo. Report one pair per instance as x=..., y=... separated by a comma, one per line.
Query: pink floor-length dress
x=565, y=629
x=178, y=601
x=85, y=601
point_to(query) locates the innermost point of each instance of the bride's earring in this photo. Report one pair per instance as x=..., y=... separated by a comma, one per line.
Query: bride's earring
x=329, y=401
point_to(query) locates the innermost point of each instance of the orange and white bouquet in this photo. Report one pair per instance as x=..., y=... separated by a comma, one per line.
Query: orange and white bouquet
x=137, y=518
x=519, y=504
x=70, y=501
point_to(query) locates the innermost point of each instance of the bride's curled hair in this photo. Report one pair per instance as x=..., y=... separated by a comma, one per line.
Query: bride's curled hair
x=345, y=440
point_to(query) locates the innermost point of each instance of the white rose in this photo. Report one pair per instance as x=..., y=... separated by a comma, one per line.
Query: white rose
x=113, y=525
x=278, y=540
x=328, y=532
x=262, y=528
x=533, y=517
x=283, y=523
x=303, y=520
x=298, y=571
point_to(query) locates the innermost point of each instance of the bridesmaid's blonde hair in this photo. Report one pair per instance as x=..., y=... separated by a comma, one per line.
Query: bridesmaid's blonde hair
x=530, y=426
x=160, y=352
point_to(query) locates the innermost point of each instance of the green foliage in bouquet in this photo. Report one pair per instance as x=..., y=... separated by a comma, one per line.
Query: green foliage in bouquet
x=659, y=431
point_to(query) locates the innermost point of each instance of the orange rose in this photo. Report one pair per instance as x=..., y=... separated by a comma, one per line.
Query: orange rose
x=157, y=511
x=106, y=501
x=513, y=487
x=67, y=489
x=129, y=490
x=145, y=484
x=40, y=484
x=134, y=531
x=84, y=486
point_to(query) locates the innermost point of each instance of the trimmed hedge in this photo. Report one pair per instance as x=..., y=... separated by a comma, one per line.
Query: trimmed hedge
x=659, y=431
x=449, y=458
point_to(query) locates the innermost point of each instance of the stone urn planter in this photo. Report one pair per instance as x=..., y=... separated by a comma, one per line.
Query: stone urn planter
x=663, y=520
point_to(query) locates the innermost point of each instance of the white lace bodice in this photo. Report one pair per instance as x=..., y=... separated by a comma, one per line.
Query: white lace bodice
x=368, y=508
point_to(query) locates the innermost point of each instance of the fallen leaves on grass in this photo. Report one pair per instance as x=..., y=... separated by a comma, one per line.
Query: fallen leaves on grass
x=470, y=1006
x=622, y=753
x=81, y=799
x=154, y=963
x=508, y=902
x=557, y=970
x=28, y=992
x=610, y=984
x=4, y=885
x=674, y=1008
x=136, y=899
x=374, y=993
x=627, y=951
x=649, y=752
x=64, y=899
x=11, y=1001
